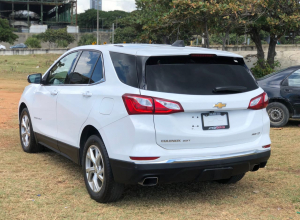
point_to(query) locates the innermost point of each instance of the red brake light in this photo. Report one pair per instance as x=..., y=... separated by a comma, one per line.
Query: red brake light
x=138, y=104
x=203, y=55
x=259, y=102
x=144, y=158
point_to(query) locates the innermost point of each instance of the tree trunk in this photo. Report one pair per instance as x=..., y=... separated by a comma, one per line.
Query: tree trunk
x=254, y=34
x=223, y=42
x=207, y=35
x=272, y=52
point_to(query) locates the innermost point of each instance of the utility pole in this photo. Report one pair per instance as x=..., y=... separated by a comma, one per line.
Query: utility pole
x=113, y=33
x=97, y=22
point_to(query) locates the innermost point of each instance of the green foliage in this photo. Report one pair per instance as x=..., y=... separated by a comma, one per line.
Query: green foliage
x=62, y=43
x=262, y=68
x=127, y=34
x=6, y=32
x=88, y=19
x=33, y=42
x=87, y=39
x=60, y=36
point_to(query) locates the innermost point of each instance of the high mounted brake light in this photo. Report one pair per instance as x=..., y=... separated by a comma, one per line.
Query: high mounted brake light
x=259, y=102
x=203, y=55
x=138, y=104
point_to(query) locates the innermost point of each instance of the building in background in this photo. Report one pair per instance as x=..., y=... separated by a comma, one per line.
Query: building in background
x=94, y=3
x=50, y=13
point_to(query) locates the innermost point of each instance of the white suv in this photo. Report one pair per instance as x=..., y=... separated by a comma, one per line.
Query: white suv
x=148, y=114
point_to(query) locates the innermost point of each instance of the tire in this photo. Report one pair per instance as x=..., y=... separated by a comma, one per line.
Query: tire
x=27, y=137
x=232, y=180
x=98, y=176
x=278, y=113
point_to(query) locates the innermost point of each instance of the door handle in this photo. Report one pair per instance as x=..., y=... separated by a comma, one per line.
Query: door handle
x=288, y=90
x=87, y=94
x=54, y=92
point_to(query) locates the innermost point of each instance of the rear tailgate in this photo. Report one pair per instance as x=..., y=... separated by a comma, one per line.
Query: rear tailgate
x=210, y=118
x=185, y=130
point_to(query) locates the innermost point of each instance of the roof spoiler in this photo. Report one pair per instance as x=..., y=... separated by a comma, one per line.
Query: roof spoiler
x=178, y=43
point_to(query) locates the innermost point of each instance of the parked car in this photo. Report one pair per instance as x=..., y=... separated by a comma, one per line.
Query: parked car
x=18, y=46
x=2, y=47
x=148, y=114
x=283, y=89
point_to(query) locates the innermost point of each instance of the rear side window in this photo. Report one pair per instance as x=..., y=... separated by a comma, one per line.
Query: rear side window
x=84, y=68
x=197, y=75
x=98, y=72
x=125, y=66
x=294, y=79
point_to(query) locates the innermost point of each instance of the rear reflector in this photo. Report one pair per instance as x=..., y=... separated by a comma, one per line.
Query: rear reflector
x=144, y=158
x=138, y=104
x=259, y=102
x=267, y=146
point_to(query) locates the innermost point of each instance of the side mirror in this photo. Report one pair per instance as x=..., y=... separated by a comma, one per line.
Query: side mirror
x=35, y=78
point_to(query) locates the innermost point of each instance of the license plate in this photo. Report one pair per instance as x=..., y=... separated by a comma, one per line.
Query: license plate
x=215, y=121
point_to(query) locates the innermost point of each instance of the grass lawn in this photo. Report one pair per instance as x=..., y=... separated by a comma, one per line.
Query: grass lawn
x=49, y=186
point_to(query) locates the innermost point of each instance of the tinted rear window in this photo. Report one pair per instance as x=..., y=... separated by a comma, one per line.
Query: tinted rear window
x=125, y=66
x=197, y=75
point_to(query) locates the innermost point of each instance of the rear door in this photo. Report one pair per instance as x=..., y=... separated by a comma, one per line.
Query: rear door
x=76, y=99
x=210, y=118
x=291, y=91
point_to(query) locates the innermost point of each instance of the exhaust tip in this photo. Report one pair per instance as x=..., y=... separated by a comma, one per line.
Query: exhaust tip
x=149, y=181
x=255, y=168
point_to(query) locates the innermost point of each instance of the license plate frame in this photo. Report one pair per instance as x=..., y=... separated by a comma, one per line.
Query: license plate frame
x=215, y=127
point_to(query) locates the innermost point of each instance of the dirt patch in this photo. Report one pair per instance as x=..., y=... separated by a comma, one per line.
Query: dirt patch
x=9, y=109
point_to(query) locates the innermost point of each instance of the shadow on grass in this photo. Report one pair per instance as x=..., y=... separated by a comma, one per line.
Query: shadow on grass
x=176, y=193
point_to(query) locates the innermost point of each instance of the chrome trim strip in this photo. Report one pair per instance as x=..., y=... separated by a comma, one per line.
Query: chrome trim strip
x=195, y=160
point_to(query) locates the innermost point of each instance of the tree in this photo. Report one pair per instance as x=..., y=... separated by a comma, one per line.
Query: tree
x=88, y=19
x=87, y=39
x=6, y=32
x=280, y=16
x=33, y=42
x=58, y=37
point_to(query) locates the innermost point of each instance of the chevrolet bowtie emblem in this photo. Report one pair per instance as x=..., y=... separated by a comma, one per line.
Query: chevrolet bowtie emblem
x=219, y=105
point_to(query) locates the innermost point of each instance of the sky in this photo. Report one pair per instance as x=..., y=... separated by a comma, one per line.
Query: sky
x=108, y=5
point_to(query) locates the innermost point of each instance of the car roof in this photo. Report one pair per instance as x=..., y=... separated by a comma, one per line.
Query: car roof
x=156, y=50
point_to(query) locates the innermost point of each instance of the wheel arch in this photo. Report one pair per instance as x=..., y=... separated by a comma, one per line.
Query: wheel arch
x=21, y=107
x=284, y=102
x=87, y=131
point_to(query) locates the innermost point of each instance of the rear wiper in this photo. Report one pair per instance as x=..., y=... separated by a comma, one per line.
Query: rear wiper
x=230, y=89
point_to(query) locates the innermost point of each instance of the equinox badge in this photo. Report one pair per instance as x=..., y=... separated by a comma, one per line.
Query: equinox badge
x=219, y=105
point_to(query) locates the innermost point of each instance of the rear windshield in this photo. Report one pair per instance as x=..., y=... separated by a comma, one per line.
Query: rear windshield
x=197, y=75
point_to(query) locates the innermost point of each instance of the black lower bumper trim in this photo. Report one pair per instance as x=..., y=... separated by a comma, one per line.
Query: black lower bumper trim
x=131, y=173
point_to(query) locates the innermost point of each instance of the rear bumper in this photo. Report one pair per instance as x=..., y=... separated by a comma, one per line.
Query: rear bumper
x=132, y=173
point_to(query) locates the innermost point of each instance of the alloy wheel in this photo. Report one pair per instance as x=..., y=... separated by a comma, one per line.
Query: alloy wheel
x=25, y=130
x=94, y=168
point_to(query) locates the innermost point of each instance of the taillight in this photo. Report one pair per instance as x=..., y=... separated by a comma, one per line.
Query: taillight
x=259, y=102
x=138, y=104
x=162, y=106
